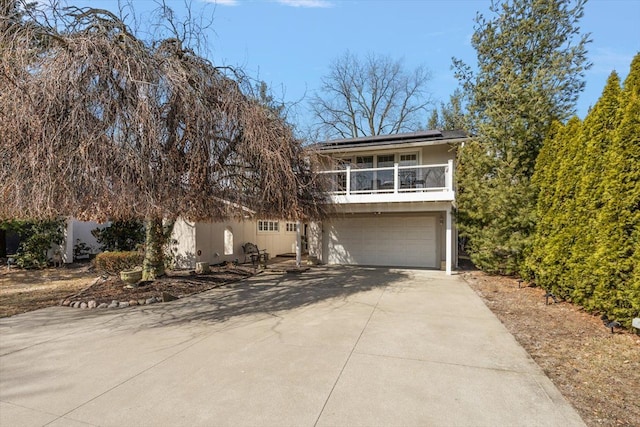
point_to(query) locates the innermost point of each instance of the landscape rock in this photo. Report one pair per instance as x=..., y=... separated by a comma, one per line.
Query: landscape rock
x=76, y=304
x=141, y=302
x=123, y=304
x=103, y=305
x=83, y=305
x=150, y=300
x=92, y=304
x=166, y=296
x=114, y=304
x=133, y=302
x=65, y=303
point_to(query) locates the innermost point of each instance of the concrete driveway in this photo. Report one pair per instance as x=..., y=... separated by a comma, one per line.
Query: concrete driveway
x=328, y=347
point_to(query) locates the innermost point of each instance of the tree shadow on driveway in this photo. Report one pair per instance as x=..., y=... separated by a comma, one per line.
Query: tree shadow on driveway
x=267, y=294
x=263, y=294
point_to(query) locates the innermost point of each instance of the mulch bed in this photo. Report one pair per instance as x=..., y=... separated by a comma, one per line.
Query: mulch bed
x=176, y=283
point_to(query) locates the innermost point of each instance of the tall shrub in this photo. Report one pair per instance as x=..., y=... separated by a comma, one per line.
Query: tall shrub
x=586, y=246
x=598, y=133
x=617, y=225
x=120, y=235
x=531, y=64
x=556, y=178
x=36, y=239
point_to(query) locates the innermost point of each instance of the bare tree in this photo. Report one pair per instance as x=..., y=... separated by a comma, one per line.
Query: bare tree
x=98, y=124
x=374, y=96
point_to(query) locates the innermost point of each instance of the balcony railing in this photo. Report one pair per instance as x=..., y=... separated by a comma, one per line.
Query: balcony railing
x=424, y=182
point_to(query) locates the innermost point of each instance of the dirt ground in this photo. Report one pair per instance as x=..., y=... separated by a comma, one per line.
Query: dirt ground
x=598, y=372
x=26, y=290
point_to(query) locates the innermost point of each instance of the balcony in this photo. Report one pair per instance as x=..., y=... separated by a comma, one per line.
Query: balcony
x=424, y=183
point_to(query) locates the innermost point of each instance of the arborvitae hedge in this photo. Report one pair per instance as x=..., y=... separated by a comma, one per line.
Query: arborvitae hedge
x=586, y=247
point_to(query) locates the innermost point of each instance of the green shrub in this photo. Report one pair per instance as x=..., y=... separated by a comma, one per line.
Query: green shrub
x=36, y=238
x=115, y=262
x=120, y=236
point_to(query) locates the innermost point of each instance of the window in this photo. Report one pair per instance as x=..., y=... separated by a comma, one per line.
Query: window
x=291, y=227
x=408, y=160
x=228, y=241
x=385, y=177
x=408, y=176
x=266, y=226
x=362, y=180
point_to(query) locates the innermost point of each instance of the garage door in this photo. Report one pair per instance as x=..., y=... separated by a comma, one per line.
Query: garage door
x=408, y=241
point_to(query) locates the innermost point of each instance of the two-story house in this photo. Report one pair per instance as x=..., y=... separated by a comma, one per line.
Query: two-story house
x=392, y=199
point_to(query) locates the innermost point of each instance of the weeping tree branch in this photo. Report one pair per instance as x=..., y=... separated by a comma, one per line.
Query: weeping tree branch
x=97, y=124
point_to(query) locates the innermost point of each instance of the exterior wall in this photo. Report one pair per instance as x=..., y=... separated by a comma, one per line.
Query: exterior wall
x=280, y=242
x=183, y=244
x=78, y=232
x=432, y=154
x=205, y=242
x=210, y=240
x=436, y=154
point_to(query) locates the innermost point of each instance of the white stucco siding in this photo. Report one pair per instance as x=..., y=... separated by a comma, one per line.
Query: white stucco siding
x=183, y=244
x=210, y=240
x=382, y=240
x=78, y=232
x=282, y=242
x=436, y=154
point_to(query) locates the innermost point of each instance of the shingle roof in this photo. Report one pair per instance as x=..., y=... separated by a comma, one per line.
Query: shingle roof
x=429, y=137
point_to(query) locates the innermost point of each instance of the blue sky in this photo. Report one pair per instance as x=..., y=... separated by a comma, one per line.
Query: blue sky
x=290, y=43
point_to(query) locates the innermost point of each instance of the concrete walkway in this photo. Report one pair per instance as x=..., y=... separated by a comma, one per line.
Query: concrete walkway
x=328, y=347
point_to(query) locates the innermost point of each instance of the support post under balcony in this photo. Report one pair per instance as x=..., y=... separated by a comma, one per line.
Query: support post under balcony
x=348, y=180
x=395, y=178
x=298, y=244
x=449, y=176
x=448, y=242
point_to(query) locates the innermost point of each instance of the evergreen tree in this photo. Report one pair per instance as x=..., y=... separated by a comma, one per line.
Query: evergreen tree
x=450, y=116
x=556, y=179
x=531, y=64
x=598, y=134
x=587, y=242
x=617, y=224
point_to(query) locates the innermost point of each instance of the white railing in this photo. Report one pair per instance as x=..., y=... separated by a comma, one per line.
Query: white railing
x=391, y=180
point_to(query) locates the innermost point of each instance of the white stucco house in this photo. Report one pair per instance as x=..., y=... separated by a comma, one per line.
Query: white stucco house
x=219, y=242
x=392, y=199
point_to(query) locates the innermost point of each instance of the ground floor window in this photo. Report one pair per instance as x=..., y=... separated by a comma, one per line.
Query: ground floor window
x=228, y=241
x=268, y=226
x=291, y=227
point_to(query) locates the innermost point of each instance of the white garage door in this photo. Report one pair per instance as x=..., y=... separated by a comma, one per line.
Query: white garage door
x=381, y=240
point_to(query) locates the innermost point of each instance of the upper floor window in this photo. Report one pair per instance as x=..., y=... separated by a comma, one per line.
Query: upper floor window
x=408, y=159
x=408, y=177
x=268, y=226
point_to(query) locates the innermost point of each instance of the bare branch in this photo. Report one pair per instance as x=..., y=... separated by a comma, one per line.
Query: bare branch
x=371, y=97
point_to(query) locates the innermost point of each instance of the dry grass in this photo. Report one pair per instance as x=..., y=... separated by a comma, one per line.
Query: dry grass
x=598, y=372
x=27, y=290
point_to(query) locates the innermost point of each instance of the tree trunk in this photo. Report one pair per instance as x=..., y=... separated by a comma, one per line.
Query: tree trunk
x=153, y=265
